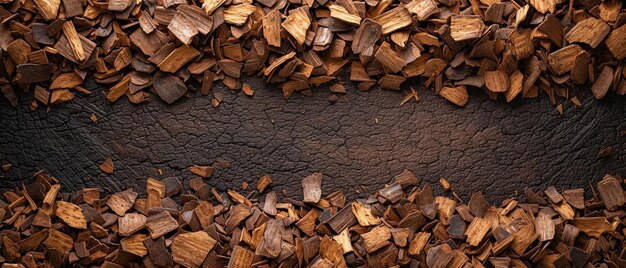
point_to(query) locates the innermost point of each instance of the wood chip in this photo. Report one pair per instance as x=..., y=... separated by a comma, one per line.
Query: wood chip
x=190, y=249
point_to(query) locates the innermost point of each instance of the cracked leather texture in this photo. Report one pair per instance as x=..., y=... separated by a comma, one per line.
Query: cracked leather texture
x=364, y=139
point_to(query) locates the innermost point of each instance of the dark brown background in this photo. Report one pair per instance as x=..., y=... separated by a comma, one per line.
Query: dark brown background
x=365, y=139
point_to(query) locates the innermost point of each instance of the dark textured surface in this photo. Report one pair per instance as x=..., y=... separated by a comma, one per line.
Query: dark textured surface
x=365, y=139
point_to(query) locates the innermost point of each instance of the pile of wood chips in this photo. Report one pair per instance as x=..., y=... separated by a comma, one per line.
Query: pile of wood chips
x=400, y=225
x=506, y=47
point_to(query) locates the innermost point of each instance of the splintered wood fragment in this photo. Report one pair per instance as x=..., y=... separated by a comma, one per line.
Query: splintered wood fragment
x=238, y=14
x=160, y=224
x=466, y=27
x=616, y=42
x=74, y=40
x=271, y=28
x=423, y=8
x=178, y=58
x=122, y=201
x=457, y=95
x=312, y=188
x=364, y=215
x=562, y=60
x=71, y=214
x=241, y=258
x=496, y=81
x=394, y=19
x=376, y=238
x=388, y=58
x=340, y=13
x=590, y=31
x=297, y=24
x=202, y=171
x=168, y=87
x=130, y=223
x=183, y=28
x=190, y=249
x=592, y=226
x=134, y=245
x=603, y=83
x=611, y=192
x=263, y=183
x=368, y=33
x=48, y=8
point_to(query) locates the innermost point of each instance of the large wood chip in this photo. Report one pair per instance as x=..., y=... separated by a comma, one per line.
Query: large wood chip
x=562, y=60
x=238, y=14
x=240, y=258
x=394, y=19
x=190, y=249
x=457, y=95
x=122, y=201
x=603, y=83
x=342, y=14
x=183, y=28
x=271, y=28
x=466, y=27
x=611, y=193
x=74, y=40
x=58, y=241
x=168, y=87
x=160, y=224
x=297, y=24
x=48, y=8
x=364, y=215
x=591, y=31
x=592, y=226
x=312, y=188
x=178, y=58
x=545, y=6
x=71, y=214
x=376, y=238
x=130, y=223
x=616, y=42
x=134, y=245
x=366, y=36
x=423, y=8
